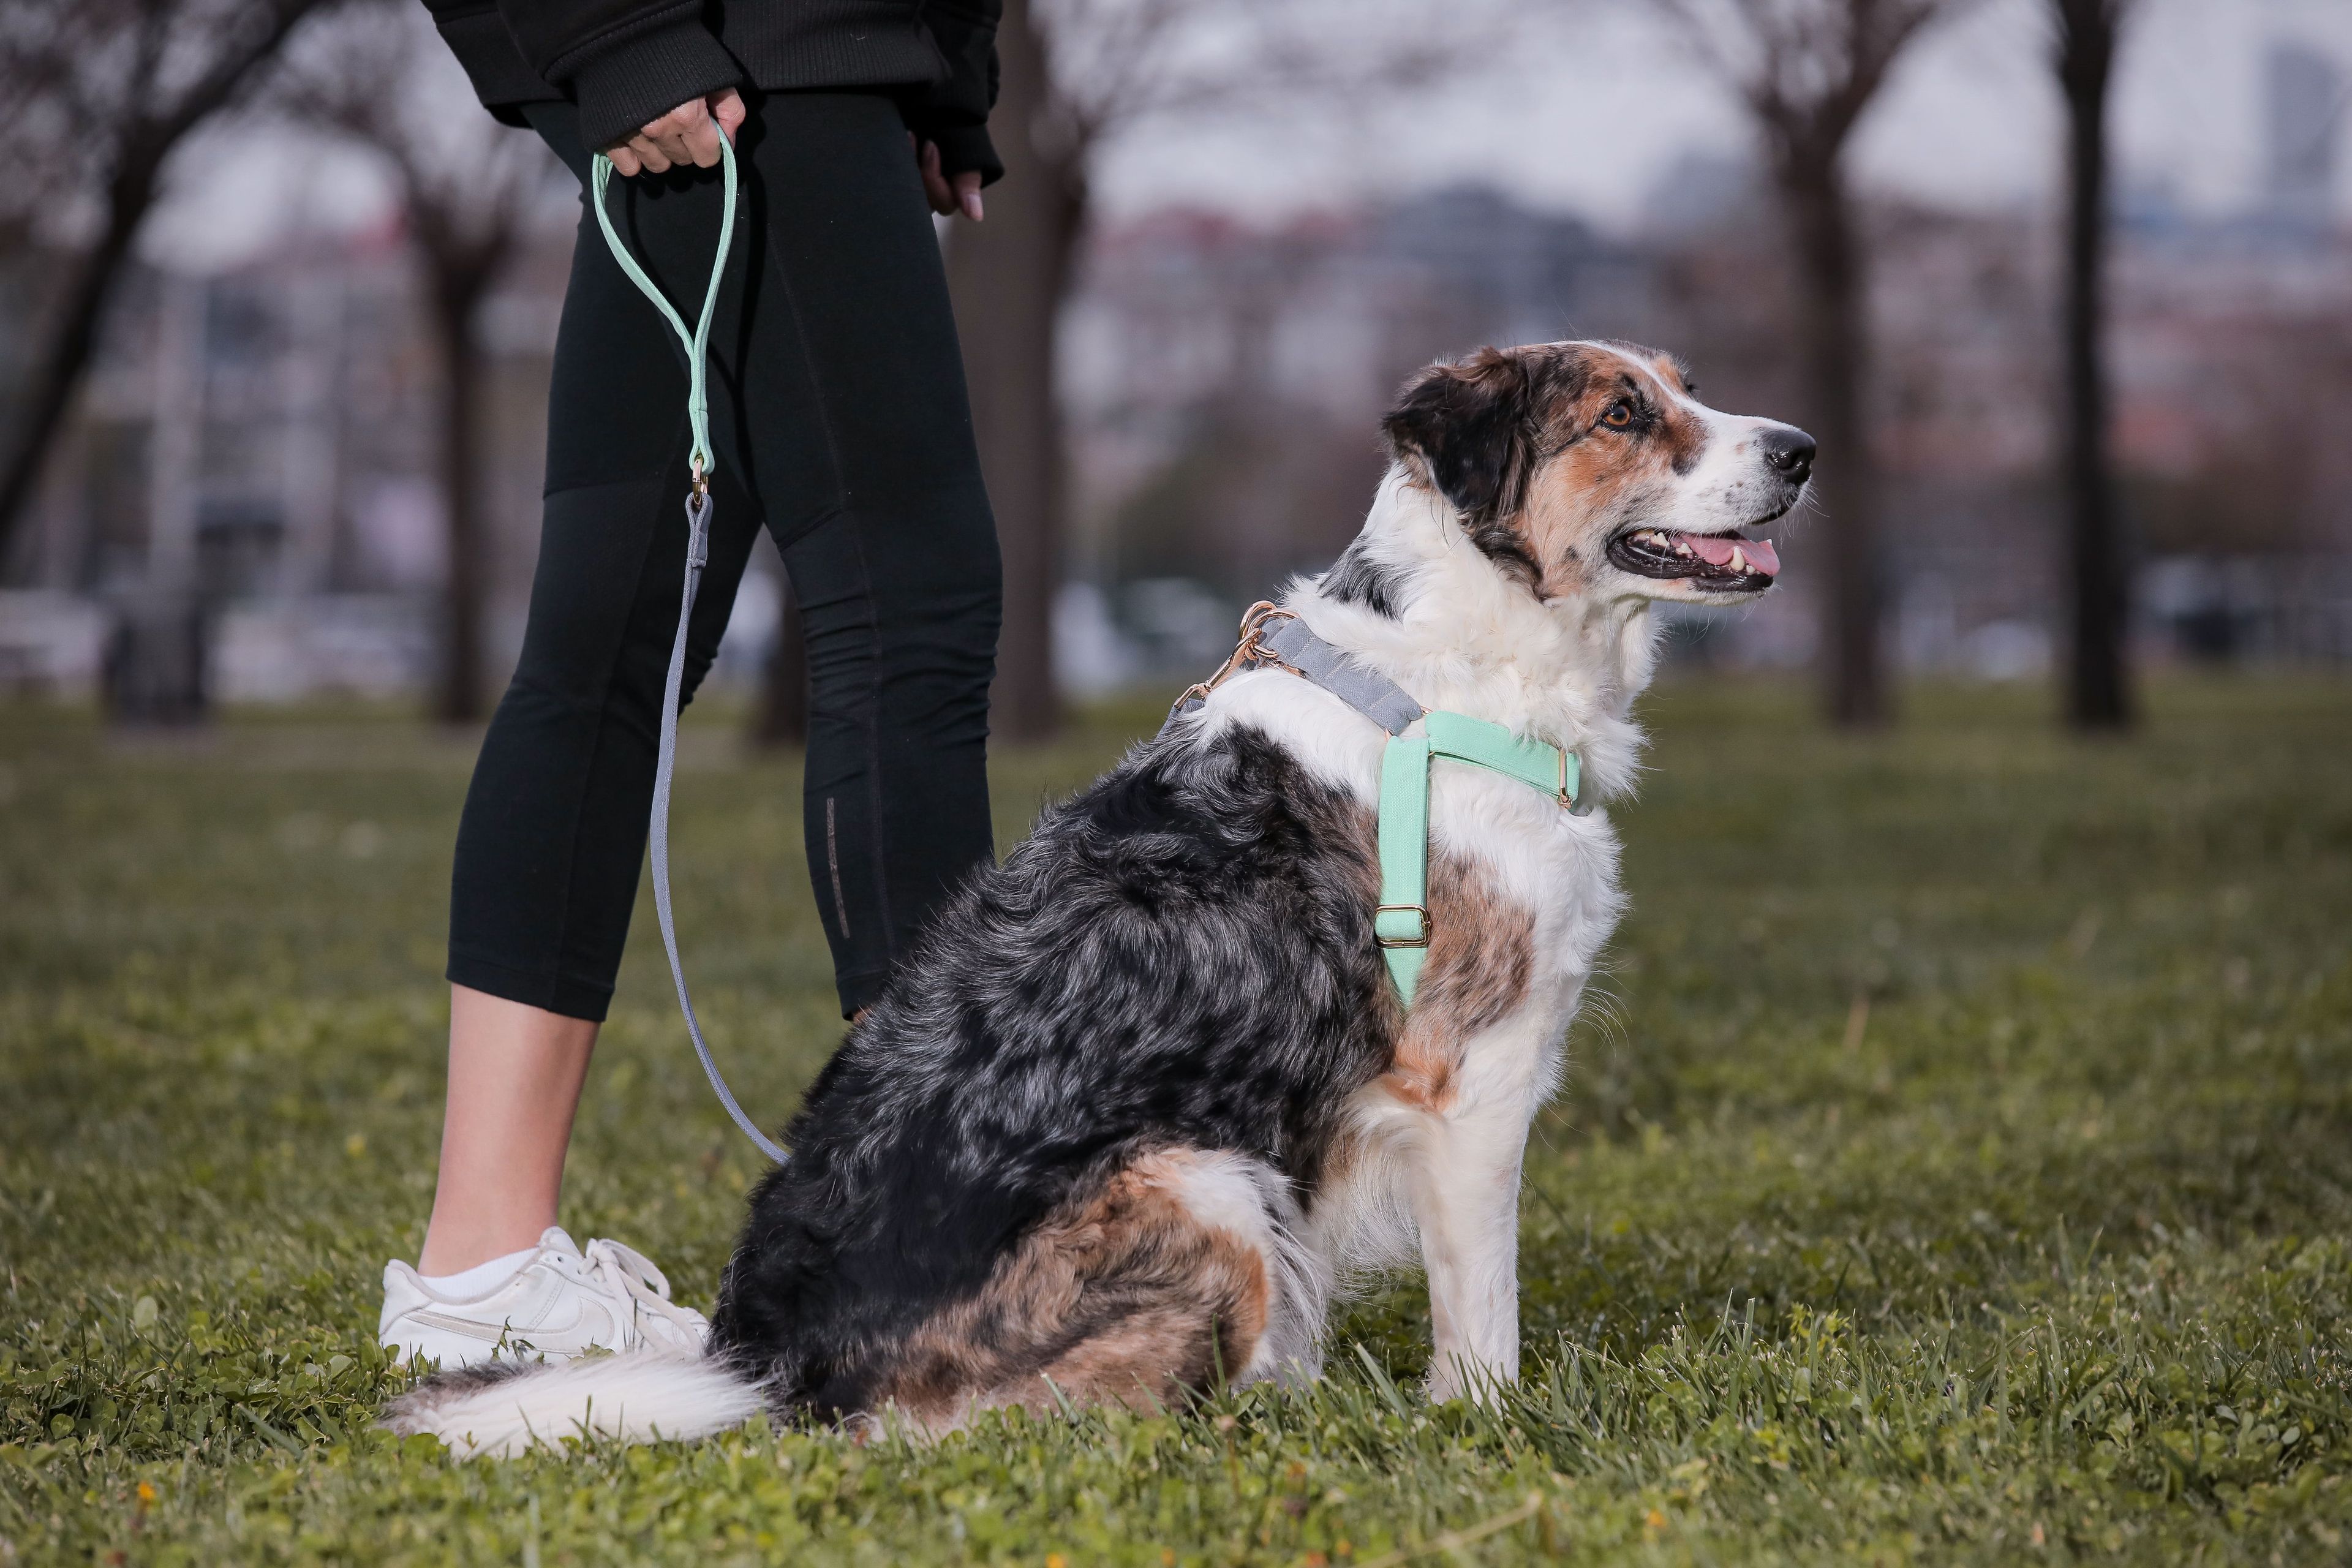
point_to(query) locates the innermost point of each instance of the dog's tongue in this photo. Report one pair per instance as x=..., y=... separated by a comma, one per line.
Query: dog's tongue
x=1715, y=551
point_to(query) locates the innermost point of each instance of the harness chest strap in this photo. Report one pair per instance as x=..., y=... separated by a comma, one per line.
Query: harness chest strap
x=1400, y=924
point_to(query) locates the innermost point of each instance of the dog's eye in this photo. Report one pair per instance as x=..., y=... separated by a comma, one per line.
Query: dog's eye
x=1619, y=415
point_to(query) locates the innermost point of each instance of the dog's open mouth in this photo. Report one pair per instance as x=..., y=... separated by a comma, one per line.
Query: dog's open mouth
x=1725, y=560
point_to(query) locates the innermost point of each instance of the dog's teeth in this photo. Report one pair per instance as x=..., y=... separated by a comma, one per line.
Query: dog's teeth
x=1738, y=559
x=1681, y=548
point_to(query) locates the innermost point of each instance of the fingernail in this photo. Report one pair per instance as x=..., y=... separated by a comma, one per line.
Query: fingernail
x=971, y=205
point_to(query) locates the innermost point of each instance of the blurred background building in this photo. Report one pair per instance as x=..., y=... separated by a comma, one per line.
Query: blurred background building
x=261, y=422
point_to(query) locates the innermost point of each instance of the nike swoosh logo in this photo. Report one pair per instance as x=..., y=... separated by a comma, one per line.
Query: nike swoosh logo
x=489, y=1334
x=591, y=1326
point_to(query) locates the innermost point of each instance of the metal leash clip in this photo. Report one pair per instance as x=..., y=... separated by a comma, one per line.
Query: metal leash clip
x=1249, y=653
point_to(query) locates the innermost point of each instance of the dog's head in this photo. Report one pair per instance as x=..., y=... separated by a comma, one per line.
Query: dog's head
x=1592, y=469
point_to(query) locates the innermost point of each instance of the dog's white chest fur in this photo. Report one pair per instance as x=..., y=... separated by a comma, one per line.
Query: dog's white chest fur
x=1439, y=1177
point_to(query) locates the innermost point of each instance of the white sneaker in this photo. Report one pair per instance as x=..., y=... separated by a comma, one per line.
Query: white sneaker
x=561, y=1303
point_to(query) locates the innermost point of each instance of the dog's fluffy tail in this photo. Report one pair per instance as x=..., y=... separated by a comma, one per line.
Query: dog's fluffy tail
x=501, y=1409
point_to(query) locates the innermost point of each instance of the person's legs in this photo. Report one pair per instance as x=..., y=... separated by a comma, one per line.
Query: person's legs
x=858, y=435
x=840, y=414
x=515, y=1073
x=552, y=838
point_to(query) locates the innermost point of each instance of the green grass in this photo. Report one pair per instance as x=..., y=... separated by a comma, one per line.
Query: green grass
x=1960, y=1170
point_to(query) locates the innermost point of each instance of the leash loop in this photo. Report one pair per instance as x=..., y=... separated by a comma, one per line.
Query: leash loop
x=698, y=342
x=700, y=461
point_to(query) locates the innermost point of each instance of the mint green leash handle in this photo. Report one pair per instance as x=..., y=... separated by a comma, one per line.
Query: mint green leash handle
x=698, y=342
x=698, y=551
x=1401, y=924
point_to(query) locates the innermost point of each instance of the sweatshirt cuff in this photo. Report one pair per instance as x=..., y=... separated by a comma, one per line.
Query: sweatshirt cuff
x=622, y=89
x=964, y=148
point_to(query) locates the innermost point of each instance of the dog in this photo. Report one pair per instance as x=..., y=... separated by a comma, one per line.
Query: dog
x=1146, y=1097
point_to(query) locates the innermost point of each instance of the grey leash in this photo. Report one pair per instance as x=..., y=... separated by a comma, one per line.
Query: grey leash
x=698, y=551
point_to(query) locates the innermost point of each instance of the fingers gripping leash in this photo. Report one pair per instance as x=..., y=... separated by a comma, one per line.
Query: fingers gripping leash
x=700, y=462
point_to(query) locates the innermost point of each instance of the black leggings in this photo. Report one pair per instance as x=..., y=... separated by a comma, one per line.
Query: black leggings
x=840, y=421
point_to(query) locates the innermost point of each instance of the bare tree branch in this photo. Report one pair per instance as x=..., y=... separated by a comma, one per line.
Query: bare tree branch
x=1807, y=70
x=1077, y=75
x=1116, y=63
x=99, y=94
x=469, y=189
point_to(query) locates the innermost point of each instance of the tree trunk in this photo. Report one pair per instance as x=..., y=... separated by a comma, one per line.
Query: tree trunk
x=458, y=700
x=780, y=718
x=150, y=131
x=1007, y=275
x=2098, y=688
x=58, y=369
x=1834, y=348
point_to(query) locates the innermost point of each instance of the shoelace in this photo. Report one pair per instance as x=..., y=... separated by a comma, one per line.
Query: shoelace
x=632, y=1275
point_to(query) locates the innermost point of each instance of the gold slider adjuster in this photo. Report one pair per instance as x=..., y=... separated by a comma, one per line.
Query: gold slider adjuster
x=1380, y=941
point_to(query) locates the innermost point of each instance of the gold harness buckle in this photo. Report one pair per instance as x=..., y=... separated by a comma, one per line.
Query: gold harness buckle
x=1380, y=941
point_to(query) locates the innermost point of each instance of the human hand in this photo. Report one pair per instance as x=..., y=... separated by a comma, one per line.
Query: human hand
x=948, y=195
x=686, y=135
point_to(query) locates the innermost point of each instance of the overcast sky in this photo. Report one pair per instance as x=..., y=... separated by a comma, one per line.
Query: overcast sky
x=1610, y=99
x=1589, y=116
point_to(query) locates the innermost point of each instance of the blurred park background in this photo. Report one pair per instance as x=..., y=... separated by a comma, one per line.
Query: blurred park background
x=276, y=305
x=1955, y=1159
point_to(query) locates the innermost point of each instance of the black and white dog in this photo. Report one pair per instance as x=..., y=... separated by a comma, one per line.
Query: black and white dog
x=1147, y=1094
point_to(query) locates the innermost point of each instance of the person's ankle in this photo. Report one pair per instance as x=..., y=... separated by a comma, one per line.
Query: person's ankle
x=448, y=1250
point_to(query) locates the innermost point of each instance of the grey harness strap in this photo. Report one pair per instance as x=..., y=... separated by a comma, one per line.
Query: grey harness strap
x=1368, y=691
x=1283, y=637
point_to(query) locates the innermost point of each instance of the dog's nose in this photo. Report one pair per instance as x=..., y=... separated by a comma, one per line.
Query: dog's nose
x=1787, y=450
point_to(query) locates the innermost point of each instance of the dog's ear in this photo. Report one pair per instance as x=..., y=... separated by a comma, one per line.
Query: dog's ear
x=1472, y=429
x=1467, y=426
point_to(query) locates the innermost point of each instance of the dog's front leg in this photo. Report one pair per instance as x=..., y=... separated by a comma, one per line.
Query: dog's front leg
x=1466, y=1201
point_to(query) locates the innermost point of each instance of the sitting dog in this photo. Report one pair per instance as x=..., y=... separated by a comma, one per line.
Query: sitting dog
x=1146, y=1093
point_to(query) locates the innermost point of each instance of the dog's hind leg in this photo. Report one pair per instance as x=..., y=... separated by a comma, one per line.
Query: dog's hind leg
x=1238, y=1199
x=1178, y=1272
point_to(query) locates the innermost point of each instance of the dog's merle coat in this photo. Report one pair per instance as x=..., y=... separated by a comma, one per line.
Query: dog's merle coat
x=1198, y=922
x=1145, y=1094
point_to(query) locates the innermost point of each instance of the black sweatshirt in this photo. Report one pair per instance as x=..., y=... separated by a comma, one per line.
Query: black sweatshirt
x=625, y=62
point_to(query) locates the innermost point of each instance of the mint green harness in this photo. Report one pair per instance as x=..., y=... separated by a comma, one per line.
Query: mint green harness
x=1401, y=924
